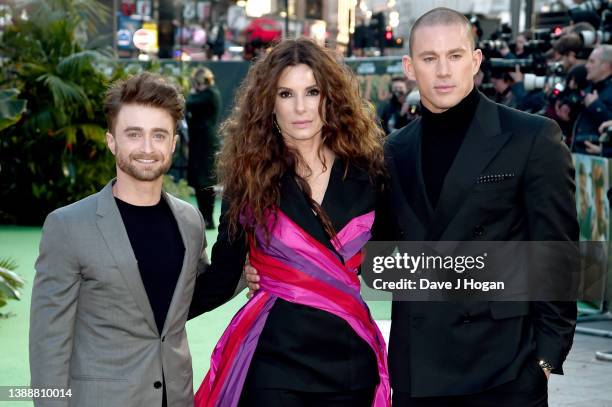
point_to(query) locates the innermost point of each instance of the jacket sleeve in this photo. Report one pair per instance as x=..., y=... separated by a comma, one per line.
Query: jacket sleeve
x=219, y=281
x=53, y=309
x=549, y=198
x=600, y=110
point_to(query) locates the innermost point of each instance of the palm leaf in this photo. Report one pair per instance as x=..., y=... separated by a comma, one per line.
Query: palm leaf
x=93, y=132
x=11, y=278
x=11, y=108
x=70, y=133
x=74, y=64
x=8, y=263
x=65, y=93
x=7, y=291
x=92, y=12
x=10, y=281
x=30, y=68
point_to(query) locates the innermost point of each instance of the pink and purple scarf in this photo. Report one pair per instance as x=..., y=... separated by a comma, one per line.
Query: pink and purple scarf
x=297, y=268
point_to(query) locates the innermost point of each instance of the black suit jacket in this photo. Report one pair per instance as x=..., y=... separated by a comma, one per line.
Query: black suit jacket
x=457, y=348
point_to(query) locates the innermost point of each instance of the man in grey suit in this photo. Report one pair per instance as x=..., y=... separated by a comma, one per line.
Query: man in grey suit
x=117, y=270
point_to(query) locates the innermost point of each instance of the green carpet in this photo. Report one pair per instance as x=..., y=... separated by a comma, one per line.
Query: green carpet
x=21, y=244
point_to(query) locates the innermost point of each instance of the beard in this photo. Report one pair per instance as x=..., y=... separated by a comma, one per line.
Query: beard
x=140, y=171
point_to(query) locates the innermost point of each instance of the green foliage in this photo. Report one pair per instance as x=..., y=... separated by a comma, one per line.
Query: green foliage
x=10, y=283
x=178, y=189
x=11, y=108
x=56, y=153
x=179, y=74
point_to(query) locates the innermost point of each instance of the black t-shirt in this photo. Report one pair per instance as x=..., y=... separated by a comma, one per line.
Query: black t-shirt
x=159, y=250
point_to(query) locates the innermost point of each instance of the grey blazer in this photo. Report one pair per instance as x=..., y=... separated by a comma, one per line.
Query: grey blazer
x=91, y=325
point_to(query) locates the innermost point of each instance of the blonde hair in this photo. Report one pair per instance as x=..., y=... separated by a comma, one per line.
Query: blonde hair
x=202, y=76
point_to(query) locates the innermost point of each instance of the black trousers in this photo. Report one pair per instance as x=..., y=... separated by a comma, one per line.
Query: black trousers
x=206, y=202
x=254, y=397
x=529, y=389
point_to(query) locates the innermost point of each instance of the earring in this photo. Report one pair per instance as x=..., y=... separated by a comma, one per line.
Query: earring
x=276, y=124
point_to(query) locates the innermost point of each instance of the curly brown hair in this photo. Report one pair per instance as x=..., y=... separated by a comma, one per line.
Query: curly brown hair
x=254, y=156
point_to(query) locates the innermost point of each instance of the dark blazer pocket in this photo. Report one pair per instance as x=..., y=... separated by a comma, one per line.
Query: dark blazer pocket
x=503, y=310
x=493, y=187
x=97, y=379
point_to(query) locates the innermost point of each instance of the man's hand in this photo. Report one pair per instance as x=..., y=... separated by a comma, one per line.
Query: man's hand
x=592, y=148
x=590, y=98
x=604, y=126
x=252, y=279
x=547, y=373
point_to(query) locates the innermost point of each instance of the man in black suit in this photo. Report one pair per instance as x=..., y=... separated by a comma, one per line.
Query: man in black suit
x=475, y=353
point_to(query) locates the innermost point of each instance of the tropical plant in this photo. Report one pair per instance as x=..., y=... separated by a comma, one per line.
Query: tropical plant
x=179, y=189
x=11, y=108
x=10, y=283
x=56, y=153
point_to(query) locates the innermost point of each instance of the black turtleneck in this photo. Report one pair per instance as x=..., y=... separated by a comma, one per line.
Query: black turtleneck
x=443, y=134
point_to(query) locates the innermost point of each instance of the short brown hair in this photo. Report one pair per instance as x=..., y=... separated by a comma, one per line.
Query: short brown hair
x=568, y=43
x=441, y=16
x=143, y=89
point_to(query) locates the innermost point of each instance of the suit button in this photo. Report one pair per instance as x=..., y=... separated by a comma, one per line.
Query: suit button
x=466, y=319
x=478, y=231
x=157, y=384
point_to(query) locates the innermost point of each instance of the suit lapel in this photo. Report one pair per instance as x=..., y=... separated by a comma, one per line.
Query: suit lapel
x=113, y=231
x=187, y=243
x=405, y=162
x=293, y=203
x=481, y=144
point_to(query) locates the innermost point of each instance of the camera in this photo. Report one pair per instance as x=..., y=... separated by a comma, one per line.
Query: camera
x=534, y=64
x=532, y=82
x=606, y=142
x=599, y=14
x=491, y=48
x=606, y=137
x=588, y=11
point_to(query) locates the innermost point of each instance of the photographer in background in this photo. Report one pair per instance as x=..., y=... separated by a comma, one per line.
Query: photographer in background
x=532, y=100
x=502, y=83
x=565, y=105
x=396, y=113
x=520, y=51
x=604, y=147
x=597, y=102
x=567, y=49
